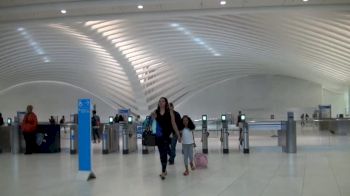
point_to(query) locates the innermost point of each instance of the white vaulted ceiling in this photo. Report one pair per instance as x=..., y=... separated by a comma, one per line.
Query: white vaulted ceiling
x=130, y=60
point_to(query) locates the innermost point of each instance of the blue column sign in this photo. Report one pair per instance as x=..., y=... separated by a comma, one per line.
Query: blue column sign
x=84, y=139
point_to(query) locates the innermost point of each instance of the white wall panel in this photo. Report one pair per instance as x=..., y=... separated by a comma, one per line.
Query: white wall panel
x=257, y=96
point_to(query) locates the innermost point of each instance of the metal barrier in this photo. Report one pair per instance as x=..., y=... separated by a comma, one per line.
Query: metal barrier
x=73, y=137
x=105, y=141
x=205, y=135
x=259, y=126
x=225, y=135
x=129, y=137
x=5, y=138
x=338, y=126
x=124, y=130
x=286, y=133
x=110, y=138
x=17, y=140
x=245, y=138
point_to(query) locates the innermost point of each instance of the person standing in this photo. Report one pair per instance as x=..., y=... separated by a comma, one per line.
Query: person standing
x=302, y=120
x=116, y=119
x=1, y=120
x=29, y=126
x=166, y=120
x=120, y=118
x=95, y=123
x=174, y=138
x=52, y=120
x=62, y=121
x=240, y=125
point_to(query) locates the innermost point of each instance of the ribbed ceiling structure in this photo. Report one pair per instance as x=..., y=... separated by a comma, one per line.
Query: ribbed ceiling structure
x=130, y=61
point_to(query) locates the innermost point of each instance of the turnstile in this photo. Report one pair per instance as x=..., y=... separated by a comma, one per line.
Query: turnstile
x=287, y=135
x=73, y=138
x=5, y=138
x=225, y=135
x=124, y=130
x=17, y=140
x=291, y=139
x=245, y=138
x=110, y=138
x=129, y=137
x=205, y=134
x=286, y=132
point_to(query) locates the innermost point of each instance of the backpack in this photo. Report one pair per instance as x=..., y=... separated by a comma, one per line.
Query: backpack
x=94, y=121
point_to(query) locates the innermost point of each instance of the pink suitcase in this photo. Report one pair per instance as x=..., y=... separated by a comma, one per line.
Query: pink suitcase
x=201, y=160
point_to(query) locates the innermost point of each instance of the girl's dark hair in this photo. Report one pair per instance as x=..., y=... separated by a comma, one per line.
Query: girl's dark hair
x=166, y=105
x=191, y=126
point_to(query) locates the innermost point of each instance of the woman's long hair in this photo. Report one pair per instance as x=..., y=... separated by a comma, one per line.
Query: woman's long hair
x=190, y=125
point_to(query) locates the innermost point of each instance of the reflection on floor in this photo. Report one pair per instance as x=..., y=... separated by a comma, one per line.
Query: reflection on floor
x=320, y=167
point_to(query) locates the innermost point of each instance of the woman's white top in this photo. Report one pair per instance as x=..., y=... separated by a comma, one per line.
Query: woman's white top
x=187, y=137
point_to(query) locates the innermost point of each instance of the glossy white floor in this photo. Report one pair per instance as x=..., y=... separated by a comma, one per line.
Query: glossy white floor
x=320, y=167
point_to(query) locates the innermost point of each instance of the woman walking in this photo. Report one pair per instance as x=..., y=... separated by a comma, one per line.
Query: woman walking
x=166, y=120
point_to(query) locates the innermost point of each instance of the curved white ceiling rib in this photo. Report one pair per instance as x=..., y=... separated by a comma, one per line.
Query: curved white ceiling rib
x=74, y=59
x=132, y=62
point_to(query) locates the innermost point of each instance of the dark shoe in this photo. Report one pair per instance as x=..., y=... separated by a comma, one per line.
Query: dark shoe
x=171, y=162
x=27, y=153
x=162, y=175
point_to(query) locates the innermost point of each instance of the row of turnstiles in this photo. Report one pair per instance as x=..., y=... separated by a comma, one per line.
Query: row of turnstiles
x=110, y=137
x=286, y=131
x=128, y=131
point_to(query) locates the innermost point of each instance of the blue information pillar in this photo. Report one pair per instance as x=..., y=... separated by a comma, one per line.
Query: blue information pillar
x=84, y=140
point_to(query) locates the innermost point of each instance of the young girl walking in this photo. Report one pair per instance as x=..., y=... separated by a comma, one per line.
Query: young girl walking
x=188, y=142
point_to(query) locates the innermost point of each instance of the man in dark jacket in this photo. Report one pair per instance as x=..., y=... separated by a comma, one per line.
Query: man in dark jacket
x=240, y=125
x=95, y=124
x=172, y=152
x=1, y=120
